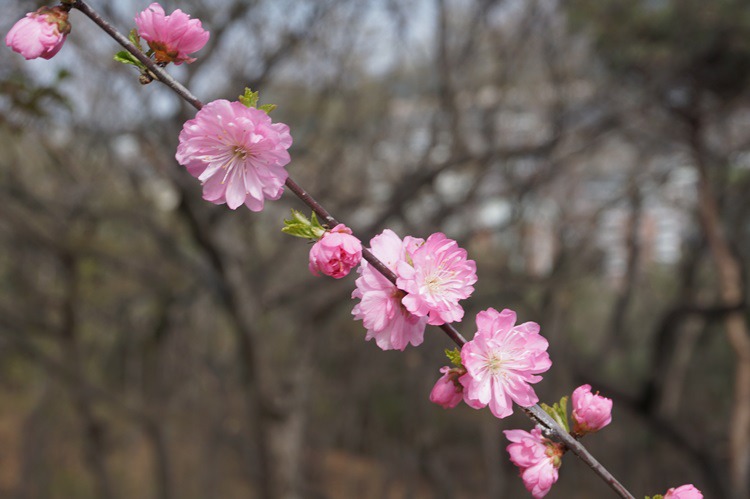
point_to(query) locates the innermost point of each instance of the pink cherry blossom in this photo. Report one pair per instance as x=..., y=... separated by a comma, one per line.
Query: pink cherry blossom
x=336, y=253
x=501, y=360
x=536, y=457
x=39, y=34
x=172, y=37
x=237, y=153
x=447, y=392
x=684, y=492
x=380, y=308
x=591, y=412
x=437, y=276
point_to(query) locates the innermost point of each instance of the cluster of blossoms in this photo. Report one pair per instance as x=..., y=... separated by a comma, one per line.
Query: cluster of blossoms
x=497, y=367
x=171, y=38
x=239, y=155
x=538, y=458
x=432, y=277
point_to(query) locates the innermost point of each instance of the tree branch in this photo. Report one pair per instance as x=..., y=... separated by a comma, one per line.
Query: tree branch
x=535, y=413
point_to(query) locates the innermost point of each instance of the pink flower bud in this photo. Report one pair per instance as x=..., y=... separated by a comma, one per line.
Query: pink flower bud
x=39, y=34
x=591, y=412
x=536, y=457
x=172, y=37
x=336, y=253
x=684, y=492
x=447, y=392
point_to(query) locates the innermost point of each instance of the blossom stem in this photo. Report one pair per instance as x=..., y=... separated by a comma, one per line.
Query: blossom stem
x=535, y=413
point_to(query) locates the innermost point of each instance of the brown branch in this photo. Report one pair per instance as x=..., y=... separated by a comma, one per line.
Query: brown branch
x=535, y=413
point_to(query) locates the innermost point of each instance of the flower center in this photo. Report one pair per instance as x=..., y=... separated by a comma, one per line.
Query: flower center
x=433, y=283
x=494, y=364
x=238, y=157
x=240, y=153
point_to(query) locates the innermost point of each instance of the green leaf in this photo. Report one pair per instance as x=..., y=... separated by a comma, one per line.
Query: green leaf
x=317, y=229
x=562, y=408
x=549, y=410
x=301, y=226
x=249, y=98
x=268, y=108
x=297, y=230
x=300, y=217
x=454, y=356
x=126, y=57
x=135, y=38
x=558, y=412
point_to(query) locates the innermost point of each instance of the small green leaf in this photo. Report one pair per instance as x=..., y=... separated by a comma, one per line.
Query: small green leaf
x=301, y=226
x=454, y=356
x=126, y=57
x=300, y=217
x=562, y=408
x=317, y=229
x=135, y=38
x=296, y=230
x=249, y=98
x=558, y=412
x=549, y=410
x=268, y=108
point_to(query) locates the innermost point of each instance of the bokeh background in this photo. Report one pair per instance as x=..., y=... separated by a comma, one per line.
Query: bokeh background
x=593, y=156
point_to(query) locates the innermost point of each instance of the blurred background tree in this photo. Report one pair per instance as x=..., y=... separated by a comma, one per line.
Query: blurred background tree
x=592, y=156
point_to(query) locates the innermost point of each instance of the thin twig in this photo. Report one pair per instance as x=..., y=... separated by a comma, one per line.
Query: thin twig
x=535, y=413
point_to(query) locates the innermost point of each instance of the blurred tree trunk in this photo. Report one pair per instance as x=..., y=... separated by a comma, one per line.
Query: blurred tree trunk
x=93, y=426
x=731, y=292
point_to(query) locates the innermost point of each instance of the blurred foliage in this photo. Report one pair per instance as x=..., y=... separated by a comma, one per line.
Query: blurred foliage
x=675, y=44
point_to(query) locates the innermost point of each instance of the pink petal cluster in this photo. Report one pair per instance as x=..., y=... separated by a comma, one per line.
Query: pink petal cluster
x=437, y=276
x=447, y=392
x=591, y=411
x=336, y=253
x=684, y=492
x=172, y=37
x=501, y=361
x=537, y=458
x=380, y=308
x=237, y=153
x=39, y=34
